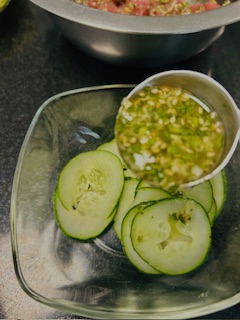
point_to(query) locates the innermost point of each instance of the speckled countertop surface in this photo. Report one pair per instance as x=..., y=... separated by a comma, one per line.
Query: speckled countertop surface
x=36, y=62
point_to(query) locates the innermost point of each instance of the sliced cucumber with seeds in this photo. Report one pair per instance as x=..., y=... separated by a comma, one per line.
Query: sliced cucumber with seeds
x=173, y=235
x=89, y=188
x=140, y=195
x=127, y=197
x=111, y=146
x=132, y=255
x=79, y=227
x=144, y=197
x=202, y=193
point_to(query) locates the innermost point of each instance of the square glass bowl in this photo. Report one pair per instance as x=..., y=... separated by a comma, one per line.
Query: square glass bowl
x=94, y=278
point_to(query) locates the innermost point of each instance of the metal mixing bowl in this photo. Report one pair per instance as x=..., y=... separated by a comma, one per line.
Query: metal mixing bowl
x=137, y=40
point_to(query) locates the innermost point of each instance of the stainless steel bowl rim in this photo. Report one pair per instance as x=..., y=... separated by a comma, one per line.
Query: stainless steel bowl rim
x=121, y=23
x=199, y=76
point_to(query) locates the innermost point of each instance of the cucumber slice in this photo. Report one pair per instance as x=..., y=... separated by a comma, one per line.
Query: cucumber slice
x=212, y=212
x=112, y=147
x=141, y=195
x=130, y=252
x=125, y=201
x=219, y=186
x=90, y=186
x=144, y=197
x=173, y=235
x=150, y=193
x=144, y=184
x=202, y=193
x=81, y=228
x=196, y=194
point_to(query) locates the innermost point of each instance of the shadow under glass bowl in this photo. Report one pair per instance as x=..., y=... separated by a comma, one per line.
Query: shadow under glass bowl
x=138, y=41
x=94, y=278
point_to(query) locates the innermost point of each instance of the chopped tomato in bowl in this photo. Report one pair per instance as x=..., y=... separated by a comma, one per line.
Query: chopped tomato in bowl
x=152, y=7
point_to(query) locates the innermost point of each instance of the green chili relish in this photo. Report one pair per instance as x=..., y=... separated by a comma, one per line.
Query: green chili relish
x=168, y=136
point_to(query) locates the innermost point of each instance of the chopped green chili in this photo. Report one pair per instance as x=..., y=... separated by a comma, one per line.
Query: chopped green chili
x=168, y=137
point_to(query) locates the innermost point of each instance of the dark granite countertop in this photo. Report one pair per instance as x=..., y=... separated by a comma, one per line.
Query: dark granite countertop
x=36, y=62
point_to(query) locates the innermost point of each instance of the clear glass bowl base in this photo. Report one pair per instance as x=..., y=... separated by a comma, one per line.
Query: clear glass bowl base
x=94, y=278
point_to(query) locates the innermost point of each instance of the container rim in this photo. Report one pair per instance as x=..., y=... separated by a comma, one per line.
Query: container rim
x=115, y=22
x=229, y=102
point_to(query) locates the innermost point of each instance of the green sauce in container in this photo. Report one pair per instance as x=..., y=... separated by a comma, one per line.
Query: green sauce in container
x=168, y=137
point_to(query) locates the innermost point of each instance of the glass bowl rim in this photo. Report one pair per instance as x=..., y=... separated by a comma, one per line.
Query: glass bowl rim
x=74, y=307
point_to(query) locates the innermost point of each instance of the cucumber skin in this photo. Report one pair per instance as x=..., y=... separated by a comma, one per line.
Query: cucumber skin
x=55, y=196
x=127, y=197
x=224, y=195
x=141, y=265
x=212, y=212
